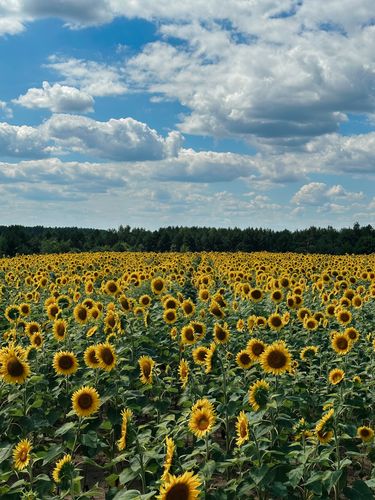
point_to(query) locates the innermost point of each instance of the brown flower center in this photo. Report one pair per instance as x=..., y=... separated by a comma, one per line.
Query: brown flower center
x=276, y=359
x=15, y=368
x=107, y=356
x=66, y=362
x=85, y=401
x=179, y=491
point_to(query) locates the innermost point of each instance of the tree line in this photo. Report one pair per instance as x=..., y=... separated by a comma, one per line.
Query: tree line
x=18, y=239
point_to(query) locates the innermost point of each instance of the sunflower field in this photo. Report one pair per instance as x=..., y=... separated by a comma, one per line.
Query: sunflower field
x=187, y=375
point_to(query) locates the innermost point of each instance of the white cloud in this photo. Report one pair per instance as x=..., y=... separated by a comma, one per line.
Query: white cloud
x=5, y=110
x=58, y=98
x=321, y=195
x=91, y=77
x=124, y=139
x=22, y=141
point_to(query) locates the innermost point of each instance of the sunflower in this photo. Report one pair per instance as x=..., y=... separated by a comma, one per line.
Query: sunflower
x=260, y=322
x=90, y=332
x=209, y=357
x=168, y=458
x=183, y=371
x=204, y=294
x=169, y=302
x=240, y=325
x=32, y=327
x=201, y=421
x=37, y=340
x=106, y=356
x=242, y=429
x=310, y=323
x=53, y=311
x=85, y=401
x=366, y=434
x=255, y=347
x=90, y=357
x=323, y=428
x=62, y=468
x=170, y=316
x=308, y=352
x=275, y=322
x=199, y=329
x=259, y=395
x=201, y=404
x=200, y=355
x=221, y=333
x=188, y=307
x=276, y=358
x=343, y=316
x=277, y=296
x=59, y=329
x=158, y=285
x=341, y=343
x=256, y=295
x=352, y=333
x=24, y=309
x=145, y=300
x=243, y=359
x=13, y=365
x=251, y=322
x=12, y=313
x=21, y=454
x=336, y=376
x=146, y=365
x=81, y=314
x=183, y=487
x=65, y=363
x=357, y=301
x=187, y=335
x=111, y=288
x=216, y=310
x=126, y=415
x=126, y=303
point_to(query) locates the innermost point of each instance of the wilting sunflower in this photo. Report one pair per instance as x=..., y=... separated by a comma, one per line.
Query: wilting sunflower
x=184, y=487
x=275, y=322
x=21, y=454
x=81, y=314
x=85, y=401
x=341, y=343
x=243, y=359
x=146, y=365
x=323, y=429
x=259, y=395
x=242, y=429
x=59, y=329
x=65, y=363
x=183, y=371
x=276, y=358
x=126, y=415
x=255, y=348
x=201, y=421
x=366, y=434
x=106, y=356
x=168, y=458
x=336, y=376
x=170, y=316
x=308, y=352
x=63, y=467
x=13, y=365
x=90, y=357
x=221, y=333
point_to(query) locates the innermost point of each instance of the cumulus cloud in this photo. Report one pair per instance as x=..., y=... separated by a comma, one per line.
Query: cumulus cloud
x=58, y=98
x=94, y=78
x=123, y=139
x=22, y=141
x=319, y=194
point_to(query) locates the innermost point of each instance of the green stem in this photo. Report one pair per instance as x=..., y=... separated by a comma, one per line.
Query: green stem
x=225, y=392
x=77, y=434
x=141, y=464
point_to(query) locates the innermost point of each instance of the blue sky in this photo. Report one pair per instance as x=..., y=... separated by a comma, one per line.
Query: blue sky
x=208, y=113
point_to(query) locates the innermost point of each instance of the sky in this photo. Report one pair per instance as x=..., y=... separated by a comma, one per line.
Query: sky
x=153, y=113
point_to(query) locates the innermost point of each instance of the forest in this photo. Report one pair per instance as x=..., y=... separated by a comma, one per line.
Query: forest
x=17, y=239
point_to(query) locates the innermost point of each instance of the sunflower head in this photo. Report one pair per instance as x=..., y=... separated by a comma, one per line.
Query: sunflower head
x=106, y=356
x=221, y=333
x=201, y=421
x=85, y=401
x=308, y=352
x=14, y=368
x=184, y=487
x=65, y=363
x=146, y=365
x=63, y=471
x=336, y=376
x=243, y=359
x=366, y=434
x=276, y=359
x=242, y=429
x=259, y=395
x=21, y=454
